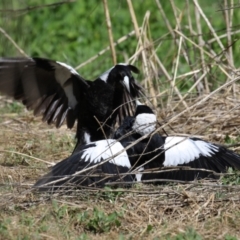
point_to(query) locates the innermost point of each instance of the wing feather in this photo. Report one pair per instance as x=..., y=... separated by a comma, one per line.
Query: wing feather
x=44, y=86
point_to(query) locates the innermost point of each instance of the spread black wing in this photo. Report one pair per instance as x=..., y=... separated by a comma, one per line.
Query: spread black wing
x=49, y=88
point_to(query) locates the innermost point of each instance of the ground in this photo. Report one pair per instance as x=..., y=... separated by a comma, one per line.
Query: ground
x=196, y=210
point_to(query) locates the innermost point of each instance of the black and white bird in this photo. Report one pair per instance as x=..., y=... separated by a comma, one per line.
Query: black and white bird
x=100, y=162
x=57, y=92
x=156, y=151
x=93, y=165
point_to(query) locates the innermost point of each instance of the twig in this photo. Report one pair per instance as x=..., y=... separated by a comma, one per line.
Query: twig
x=25, y=155
x=145, y=65
x=13, y=42
x=30, y=8
x=209, y=24
x=110, y=35
x=200, y=43
x=120, y=40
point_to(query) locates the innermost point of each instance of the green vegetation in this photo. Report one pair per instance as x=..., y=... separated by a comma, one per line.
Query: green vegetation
x=75, y=31
x=98, y=221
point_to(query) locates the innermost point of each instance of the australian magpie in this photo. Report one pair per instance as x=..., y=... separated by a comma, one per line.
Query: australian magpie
x=93, y=165
x=57, y=92
x=155, y=151
x=97, y=163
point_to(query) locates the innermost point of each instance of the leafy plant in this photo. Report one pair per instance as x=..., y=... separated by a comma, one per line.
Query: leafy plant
x=232, y=178
x=111, y=194
x=98, y=221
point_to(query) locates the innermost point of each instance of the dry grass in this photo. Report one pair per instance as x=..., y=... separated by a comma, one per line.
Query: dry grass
x=209, y=209
x=207, y=108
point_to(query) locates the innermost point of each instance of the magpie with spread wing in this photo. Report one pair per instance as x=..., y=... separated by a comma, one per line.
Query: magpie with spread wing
x=57, y=92
x=97, y=163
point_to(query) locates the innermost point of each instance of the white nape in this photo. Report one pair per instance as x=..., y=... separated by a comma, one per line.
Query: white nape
x=145, y=123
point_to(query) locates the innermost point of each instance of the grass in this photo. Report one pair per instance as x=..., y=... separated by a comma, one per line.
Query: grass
x=190, y=73
x=201, y=210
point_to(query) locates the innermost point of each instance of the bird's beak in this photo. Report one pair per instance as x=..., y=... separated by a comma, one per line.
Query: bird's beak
x=126, y=83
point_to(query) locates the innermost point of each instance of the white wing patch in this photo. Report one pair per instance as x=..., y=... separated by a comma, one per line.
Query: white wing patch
x=105, y=75
x=106, y=149
x=62, y=73
x=68, y=68
x=181, y=150
x=72, y=101
x=145, y=123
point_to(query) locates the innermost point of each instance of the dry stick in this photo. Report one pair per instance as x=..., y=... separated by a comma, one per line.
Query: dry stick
x=196, y=104
x=209, y=24
x=200, y=86
x=185, y=49
x=25, y=155
x=158, y=60
x=135, y=24
x=192, y=88
x=206, y=44
x=13, y=42
x=189, y=73
x=120, y=40
x=149, y=46
x=163, y=69
x=228, y=20
x=223, y=36
x=175, y=71
x=201, y=43
x=165, y=18
x=110, y=35
x=206, y=52
x=31, y=8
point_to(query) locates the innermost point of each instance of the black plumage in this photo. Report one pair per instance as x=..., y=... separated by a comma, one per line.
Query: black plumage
x=57, y=92
x=156, y=151
x=93, y=165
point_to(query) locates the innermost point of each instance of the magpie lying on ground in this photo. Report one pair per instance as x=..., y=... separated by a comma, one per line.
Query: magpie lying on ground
x=157, y=151
x=57, y=92
x=96, y=163
x=93, y=165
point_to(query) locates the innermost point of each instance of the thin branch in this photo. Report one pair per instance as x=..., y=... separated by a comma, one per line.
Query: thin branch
x=31, y=8
x=110, y=34
x=120, y=40
x=13, y=42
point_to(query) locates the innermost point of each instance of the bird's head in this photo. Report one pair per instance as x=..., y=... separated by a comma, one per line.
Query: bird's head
x=145, y=119
x=143, y=122
x=121, y=75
